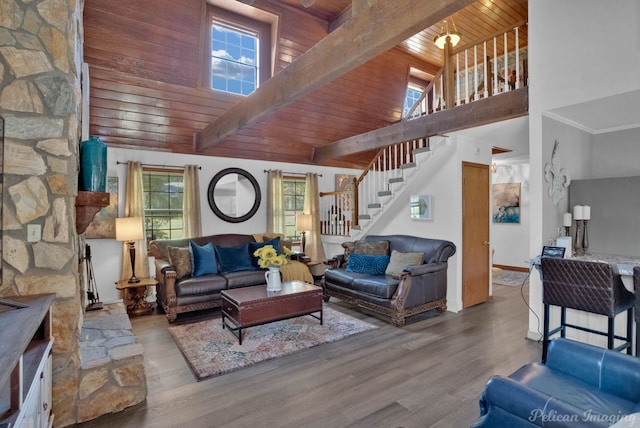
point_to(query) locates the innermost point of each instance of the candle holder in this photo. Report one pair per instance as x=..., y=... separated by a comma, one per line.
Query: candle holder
x=585, y=237
x=577, y=249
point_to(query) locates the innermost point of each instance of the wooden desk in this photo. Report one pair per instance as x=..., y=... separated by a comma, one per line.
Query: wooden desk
x=135, y=294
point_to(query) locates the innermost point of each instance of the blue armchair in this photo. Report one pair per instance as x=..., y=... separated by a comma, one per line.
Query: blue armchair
x=580, y=385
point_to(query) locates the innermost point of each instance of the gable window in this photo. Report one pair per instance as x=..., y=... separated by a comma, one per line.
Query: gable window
x=163, y=191
x=293, y=190
x=237, y=58
x=413, y=94
x=234, y=59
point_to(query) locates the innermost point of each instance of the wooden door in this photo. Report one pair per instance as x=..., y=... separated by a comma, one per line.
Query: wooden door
x=475, y=233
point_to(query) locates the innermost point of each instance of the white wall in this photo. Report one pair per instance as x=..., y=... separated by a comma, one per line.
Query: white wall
x=107, y=253
x=510, y=241
x=616, y=154
x=440, y=177
x=573, y=59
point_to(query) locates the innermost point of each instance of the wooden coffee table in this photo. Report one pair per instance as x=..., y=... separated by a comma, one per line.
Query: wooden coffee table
x=251, y=306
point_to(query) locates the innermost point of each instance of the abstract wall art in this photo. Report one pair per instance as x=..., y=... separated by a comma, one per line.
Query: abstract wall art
x=506, y=203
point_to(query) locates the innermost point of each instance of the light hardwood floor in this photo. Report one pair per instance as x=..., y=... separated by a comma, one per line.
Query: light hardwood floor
x=428, y=374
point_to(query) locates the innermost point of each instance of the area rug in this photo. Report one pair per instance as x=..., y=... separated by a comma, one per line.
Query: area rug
x=211, y=351
x=511, y=277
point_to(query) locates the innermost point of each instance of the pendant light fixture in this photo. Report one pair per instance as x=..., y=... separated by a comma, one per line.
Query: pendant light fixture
x=441, y=38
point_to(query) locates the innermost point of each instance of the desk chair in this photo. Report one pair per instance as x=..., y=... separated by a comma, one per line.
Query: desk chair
x=587, y=286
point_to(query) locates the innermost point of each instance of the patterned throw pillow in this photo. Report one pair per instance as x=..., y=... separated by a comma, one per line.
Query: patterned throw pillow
x=376, y=248
x=369, y=264
x=180, y=258
x=348, y=246
x=399, y=260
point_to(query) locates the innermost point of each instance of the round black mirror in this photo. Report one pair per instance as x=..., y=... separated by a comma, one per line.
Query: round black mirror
x=234, y=195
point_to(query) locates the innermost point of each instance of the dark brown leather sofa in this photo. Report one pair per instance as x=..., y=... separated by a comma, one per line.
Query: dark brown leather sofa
x=418, y=288
x=179, y=295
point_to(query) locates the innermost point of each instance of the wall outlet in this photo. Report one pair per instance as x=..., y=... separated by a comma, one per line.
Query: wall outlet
x=34, y=232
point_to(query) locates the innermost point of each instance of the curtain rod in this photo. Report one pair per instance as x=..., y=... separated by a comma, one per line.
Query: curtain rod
x=293, y=173
x=151, y=165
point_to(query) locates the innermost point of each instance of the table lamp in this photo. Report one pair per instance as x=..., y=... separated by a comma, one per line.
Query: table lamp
x=304, y=222
x=129, y=229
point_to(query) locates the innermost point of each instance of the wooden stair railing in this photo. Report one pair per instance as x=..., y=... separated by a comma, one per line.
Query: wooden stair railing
x=341, y=211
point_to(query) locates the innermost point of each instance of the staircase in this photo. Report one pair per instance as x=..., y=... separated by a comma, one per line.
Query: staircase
x=380, y=185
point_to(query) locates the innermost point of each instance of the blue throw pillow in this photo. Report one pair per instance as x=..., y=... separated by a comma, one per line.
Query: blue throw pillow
x=366, y=263
x=204, y=259
x=253, y=246
x=234, y=259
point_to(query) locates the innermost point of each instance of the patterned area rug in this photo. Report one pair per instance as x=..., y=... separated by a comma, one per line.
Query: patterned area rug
x=211, y=351
x=511, y=277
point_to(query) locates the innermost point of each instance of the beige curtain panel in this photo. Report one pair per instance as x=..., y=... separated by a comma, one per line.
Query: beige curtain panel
x=314, y=248
x=275, y=201
x=191, y=214
x=134, y=207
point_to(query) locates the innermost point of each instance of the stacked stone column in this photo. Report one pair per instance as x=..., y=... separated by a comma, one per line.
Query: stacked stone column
x=40, y=62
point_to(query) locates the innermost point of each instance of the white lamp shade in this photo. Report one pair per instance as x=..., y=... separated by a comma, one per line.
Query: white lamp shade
x=129, y=228
x=304, y=221
x=441, y=40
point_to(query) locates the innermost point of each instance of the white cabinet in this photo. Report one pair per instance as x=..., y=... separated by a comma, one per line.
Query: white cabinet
x=25, y=363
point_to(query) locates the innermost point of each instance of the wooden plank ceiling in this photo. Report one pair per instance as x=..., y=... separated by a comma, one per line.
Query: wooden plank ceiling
x=145, y=60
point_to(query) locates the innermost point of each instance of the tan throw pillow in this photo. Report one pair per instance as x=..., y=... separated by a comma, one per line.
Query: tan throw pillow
x=348, y=246
x=180, y=257
x=399, y=260
x=373, y=248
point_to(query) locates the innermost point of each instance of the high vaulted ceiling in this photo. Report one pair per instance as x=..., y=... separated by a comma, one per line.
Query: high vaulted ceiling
x=144, y=61
x=474, y=22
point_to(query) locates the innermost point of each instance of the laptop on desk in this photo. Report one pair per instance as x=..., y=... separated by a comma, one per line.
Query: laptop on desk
x=550, y=251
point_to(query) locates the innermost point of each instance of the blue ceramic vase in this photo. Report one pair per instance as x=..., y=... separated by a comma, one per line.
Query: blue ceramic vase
x=93, y=165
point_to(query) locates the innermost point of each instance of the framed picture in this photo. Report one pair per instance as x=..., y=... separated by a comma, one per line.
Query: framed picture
x=506, y=203
x=103, y=225
x=420, y=207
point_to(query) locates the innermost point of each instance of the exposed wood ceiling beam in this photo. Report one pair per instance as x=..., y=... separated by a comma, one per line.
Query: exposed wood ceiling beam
x=376, y=26
x=493, y=109
x=344, y=17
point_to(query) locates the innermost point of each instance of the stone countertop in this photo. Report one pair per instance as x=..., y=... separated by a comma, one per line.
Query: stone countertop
x=623, y=264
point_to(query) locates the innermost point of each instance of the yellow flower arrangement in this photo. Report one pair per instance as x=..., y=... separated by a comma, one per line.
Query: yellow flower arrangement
x=268, y=257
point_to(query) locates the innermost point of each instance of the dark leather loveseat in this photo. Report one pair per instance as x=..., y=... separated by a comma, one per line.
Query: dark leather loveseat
x=417, y=288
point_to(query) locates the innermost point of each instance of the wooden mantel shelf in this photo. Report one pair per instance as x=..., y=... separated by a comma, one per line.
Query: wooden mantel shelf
x=87, y=205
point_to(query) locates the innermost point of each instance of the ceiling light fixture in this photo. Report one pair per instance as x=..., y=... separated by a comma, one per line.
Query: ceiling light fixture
x=454, y=36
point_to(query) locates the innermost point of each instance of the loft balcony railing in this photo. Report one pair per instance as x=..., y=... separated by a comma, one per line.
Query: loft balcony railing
x=492, y=66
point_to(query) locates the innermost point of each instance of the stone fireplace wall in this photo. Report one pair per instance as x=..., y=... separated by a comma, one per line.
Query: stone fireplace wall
x=40, y=62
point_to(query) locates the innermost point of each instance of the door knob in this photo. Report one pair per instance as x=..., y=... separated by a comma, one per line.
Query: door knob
x=486, y=243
